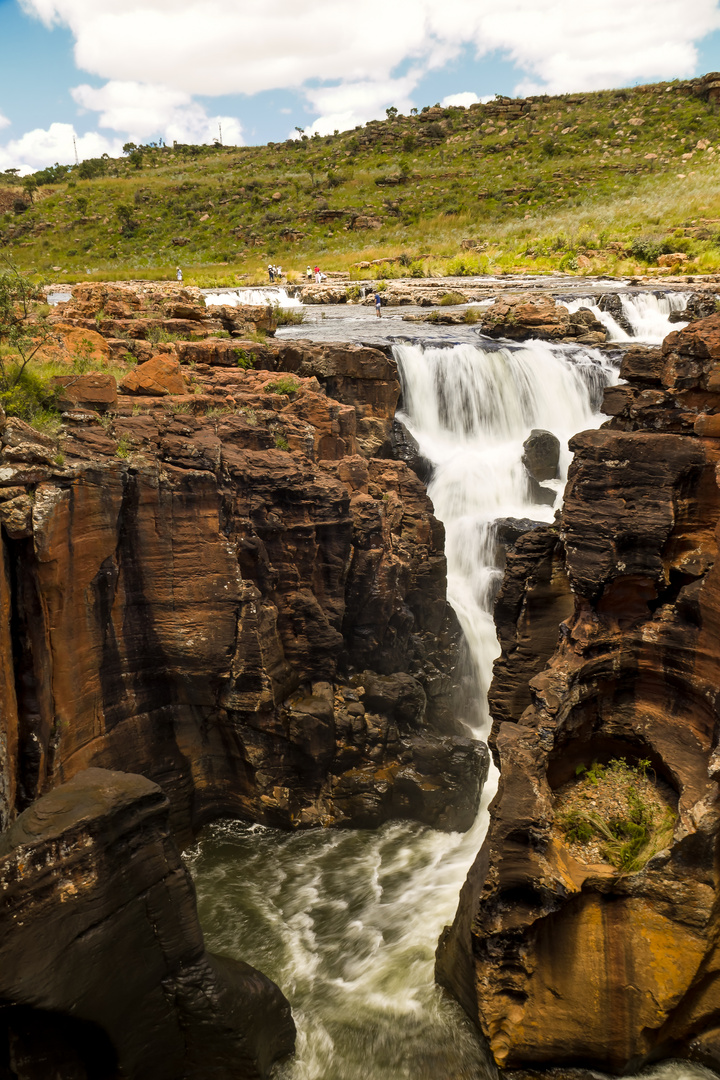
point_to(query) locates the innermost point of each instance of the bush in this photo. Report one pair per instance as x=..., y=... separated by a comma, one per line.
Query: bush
x=465, y=266
x=23, y=325
x=286, y=384
x=627, y=817
x=244, y=360
x=29, y=397
x=451, y=298
x=289, y=316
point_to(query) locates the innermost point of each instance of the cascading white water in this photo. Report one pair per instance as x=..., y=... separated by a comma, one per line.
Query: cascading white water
x=347, y=922
x=277, y=297
x=646, y=313
x=470, y=410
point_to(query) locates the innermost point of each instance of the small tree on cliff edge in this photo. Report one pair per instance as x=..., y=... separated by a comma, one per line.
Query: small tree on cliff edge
x=24, y=328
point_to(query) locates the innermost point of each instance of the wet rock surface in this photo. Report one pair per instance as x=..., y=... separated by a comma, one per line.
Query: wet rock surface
x=531, y=316
x=558, y=959
x=103, y=971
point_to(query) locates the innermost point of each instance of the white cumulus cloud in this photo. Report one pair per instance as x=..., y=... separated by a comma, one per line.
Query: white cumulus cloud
x=4, y=122
x=143, y=109
x=44, y=146
x=352, y=103
x=346, y=61
x=244, y=46
x=464, y=99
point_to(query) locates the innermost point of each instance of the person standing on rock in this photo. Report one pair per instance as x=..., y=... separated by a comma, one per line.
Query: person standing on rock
x=309, y=273
x=178, y=274
x=271, y=273
x=378, y=303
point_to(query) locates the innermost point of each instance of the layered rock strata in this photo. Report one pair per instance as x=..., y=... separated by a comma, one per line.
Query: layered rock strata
x=201, y=587
x=98, y=916
x=559, y=957
x=219, y=595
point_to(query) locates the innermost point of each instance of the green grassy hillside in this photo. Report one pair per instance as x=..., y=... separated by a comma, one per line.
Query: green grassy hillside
x=602, y=182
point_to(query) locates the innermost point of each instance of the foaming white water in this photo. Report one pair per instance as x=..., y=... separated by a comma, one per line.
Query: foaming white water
x=470, y=409
x=347, y=923
x=615, y=331
x=276, y=297
x=646, y=314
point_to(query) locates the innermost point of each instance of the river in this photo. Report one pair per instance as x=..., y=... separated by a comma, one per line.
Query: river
x=347, y=922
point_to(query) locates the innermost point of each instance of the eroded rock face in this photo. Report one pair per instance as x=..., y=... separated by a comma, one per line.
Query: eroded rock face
x=531, y=316
x=223, y=590
x=194, y=586
x=122, y=987
x=559, y=959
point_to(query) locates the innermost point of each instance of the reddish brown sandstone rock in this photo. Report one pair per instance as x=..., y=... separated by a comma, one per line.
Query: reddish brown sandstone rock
x=156, y=377
x=124, y=985
x=560, y=959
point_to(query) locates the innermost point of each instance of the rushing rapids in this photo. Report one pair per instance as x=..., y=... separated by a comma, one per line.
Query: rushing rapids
x=646, y=315
x=347, y=923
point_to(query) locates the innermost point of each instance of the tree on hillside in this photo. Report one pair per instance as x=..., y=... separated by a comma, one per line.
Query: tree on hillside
x=24, y=328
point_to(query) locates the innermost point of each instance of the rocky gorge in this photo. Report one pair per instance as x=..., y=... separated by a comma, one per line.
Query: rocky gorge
x=224, y=595
x=218, y=598
x=562, y=959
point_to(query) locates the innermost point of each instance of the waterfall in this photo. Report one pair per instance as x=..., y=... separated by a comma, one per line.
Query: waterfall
x=277, y=297
x=646, y=313
x=347, y=922
x=470, y=409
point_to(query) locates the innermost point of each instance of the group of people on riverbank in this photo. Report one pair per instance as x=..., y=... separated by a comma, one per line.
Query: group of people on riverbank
x=275, y=273
x=315, y=274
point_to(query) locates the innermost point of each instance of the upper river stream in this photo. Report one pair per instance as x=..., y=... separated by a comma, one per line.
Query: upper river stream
x=346, y=922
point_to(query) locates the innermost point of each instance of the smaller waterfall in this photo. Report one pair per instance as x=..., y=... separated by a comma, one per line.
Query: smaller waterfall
x=646, y=313
x=277, y=297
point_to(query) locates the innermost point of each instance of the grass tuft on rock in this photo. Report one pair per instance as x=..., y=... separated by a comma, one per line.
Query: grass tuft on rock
x=615, y=813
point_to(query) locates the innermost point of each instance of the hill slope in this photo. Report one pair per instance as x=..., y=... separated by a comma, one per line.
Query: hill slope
x=596, y=182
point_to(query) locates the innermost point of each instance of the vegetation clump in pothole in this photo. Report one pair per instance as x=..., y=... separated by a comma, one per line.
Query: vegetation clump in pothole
x=615, y=813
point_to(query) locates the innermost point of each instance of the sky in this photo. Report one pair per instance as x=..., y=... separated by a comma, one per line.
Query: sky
x=108, y=72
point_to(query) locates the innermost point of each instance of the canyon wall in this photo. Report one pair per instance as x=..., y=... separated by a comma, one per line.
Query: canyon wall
x=560, y=958
x=219, y=595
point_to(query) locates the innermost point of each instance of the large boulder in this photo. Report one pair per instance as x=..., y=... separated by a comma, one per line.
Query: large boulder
x=95, y=390
x=541, y=454
x=528, y=315
x=102, y=963
x=157, y=377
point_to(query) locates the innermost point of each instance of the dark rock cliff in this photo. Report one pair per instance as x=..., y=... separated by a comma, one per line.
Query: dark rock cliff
x=103, y=972
x=214, y=582
x=559, y=957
